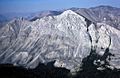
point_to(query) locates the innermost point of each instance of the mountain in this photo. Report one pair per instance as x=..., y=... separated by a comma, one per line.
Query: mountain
x=38, y=15
x=3, y=20
x=87, y=13
x=67, y=39
x=107, y=14
x=6, y=17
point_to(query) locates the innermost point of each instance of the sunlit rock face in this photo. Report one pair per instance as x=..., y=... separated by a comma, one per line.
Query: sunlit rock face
x=66, y=39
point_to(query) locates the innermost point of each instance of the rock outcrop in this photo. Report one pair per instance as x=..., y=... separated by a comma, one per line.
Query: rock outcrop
x=66, y=39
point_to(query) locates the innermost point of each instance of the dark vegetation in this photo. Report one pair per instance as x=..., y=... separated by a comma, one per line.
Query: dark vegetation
x=89, y=70
x=42, y=71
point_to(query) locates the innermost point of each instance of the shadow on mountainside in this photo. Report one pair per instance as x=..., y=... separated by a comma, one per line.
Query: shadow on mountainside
x=89, y=70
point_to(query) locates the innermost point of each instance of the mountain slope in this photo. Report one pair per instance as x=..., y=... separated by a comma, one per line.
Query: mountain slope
x=66, y=39
x=107, y=14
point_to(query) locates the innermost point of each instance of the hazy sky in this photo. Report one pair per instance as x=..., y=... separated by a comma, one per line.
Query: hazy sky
x=38, y=5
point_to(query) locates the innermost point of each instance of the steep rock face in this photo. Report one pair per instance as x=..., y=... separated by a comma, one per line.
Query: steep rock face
x=66, y=39
x=114, y=44
x=63, y=38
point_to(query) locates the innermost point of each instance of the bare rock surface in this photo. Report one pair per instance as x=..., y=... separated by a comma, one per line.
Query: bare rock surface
x=66, y=39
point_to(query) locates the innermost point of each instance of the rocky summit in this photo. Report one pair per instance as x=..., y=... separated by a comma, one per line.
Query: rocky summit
x=66, y=38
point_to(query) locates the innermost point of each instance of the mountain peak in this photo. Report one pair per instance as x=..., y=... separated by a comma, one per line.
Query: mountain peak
x=67, y=12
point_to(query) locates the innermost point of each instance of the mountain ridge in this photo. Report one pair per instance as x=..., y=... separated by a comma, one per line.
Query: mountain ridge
x=66, y=39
